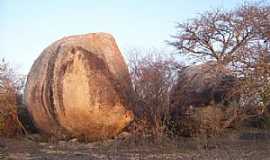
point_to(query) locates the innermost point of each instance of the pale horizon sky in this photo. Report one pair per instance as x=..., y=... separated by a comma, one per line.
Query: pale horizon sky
x=27, y=27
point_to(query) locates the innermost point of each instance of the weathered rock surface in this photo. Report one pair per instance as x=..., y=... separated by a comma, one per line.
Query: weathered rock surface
x=198, y=97
x=199, y=85
x=78, y=87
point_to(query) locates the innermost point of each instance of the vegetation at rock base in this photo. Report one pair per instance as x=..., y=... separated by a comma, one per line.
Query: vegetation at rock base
x=153, y=76
x=10, y=89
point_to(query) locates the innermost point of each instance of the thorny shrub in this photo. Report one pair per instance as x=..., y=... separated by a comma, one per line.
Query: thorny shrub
x=152, y=77
x=10, y=87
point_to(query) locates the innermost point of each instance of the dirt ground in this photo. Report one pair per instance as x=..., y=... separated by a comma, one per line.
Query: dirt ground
x=251, y=145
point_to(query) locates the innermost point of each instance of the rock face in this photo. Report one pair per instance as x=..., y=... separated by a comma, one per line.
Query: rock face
x=78, y=87
x=199, y=85
x=198, y=97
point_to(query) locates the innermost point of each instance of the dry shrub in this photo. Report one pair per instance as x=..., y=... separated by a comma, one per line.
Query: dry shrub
x=10, y=86
x=9, y=125
x=206, y=120
x=211, y=120
x=152, y=76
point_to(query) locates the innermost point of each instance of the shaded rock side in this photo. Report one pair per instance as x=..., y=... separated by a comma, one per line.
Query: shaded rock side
x=201, y=85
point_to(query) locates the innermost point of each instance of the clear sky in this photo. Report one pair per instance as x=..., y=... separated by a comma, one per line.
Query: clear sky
x=28, y=26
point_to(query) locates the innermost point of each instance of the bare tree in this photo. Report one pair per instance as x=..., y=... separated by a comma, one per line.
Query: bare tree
x=219, y=34
x=9, y=78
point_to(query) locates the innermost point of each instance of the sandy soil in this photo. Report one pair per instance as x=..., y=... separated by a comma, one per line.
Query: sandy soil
x=244, y=146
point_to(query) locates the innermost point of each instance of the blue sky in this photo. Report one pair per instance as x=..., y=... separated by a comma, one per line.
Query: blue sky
x=28, y=26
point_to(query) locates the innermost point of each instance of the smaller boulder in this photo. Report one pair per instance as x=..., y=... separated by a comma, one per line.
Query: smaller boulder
x=197, y=96
x=201, y=85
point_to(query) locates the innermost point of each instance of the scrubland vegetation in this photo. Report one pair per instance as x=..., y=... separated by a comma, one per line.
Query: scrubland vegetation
x=202, y=128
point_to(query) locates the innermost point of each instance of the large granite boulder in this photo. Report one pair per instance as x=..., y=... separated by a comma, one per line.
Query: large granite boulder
x=78, y=87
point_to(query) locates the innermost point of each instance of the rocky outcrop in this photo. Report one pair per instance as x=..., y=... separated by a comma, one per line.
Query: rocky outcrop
x=198, y=99
x=202, y=84
x=78, y=87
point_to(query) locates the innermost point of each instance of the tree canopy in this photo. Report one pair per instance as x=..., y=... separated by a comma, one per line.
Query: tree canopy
x=225, y=35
